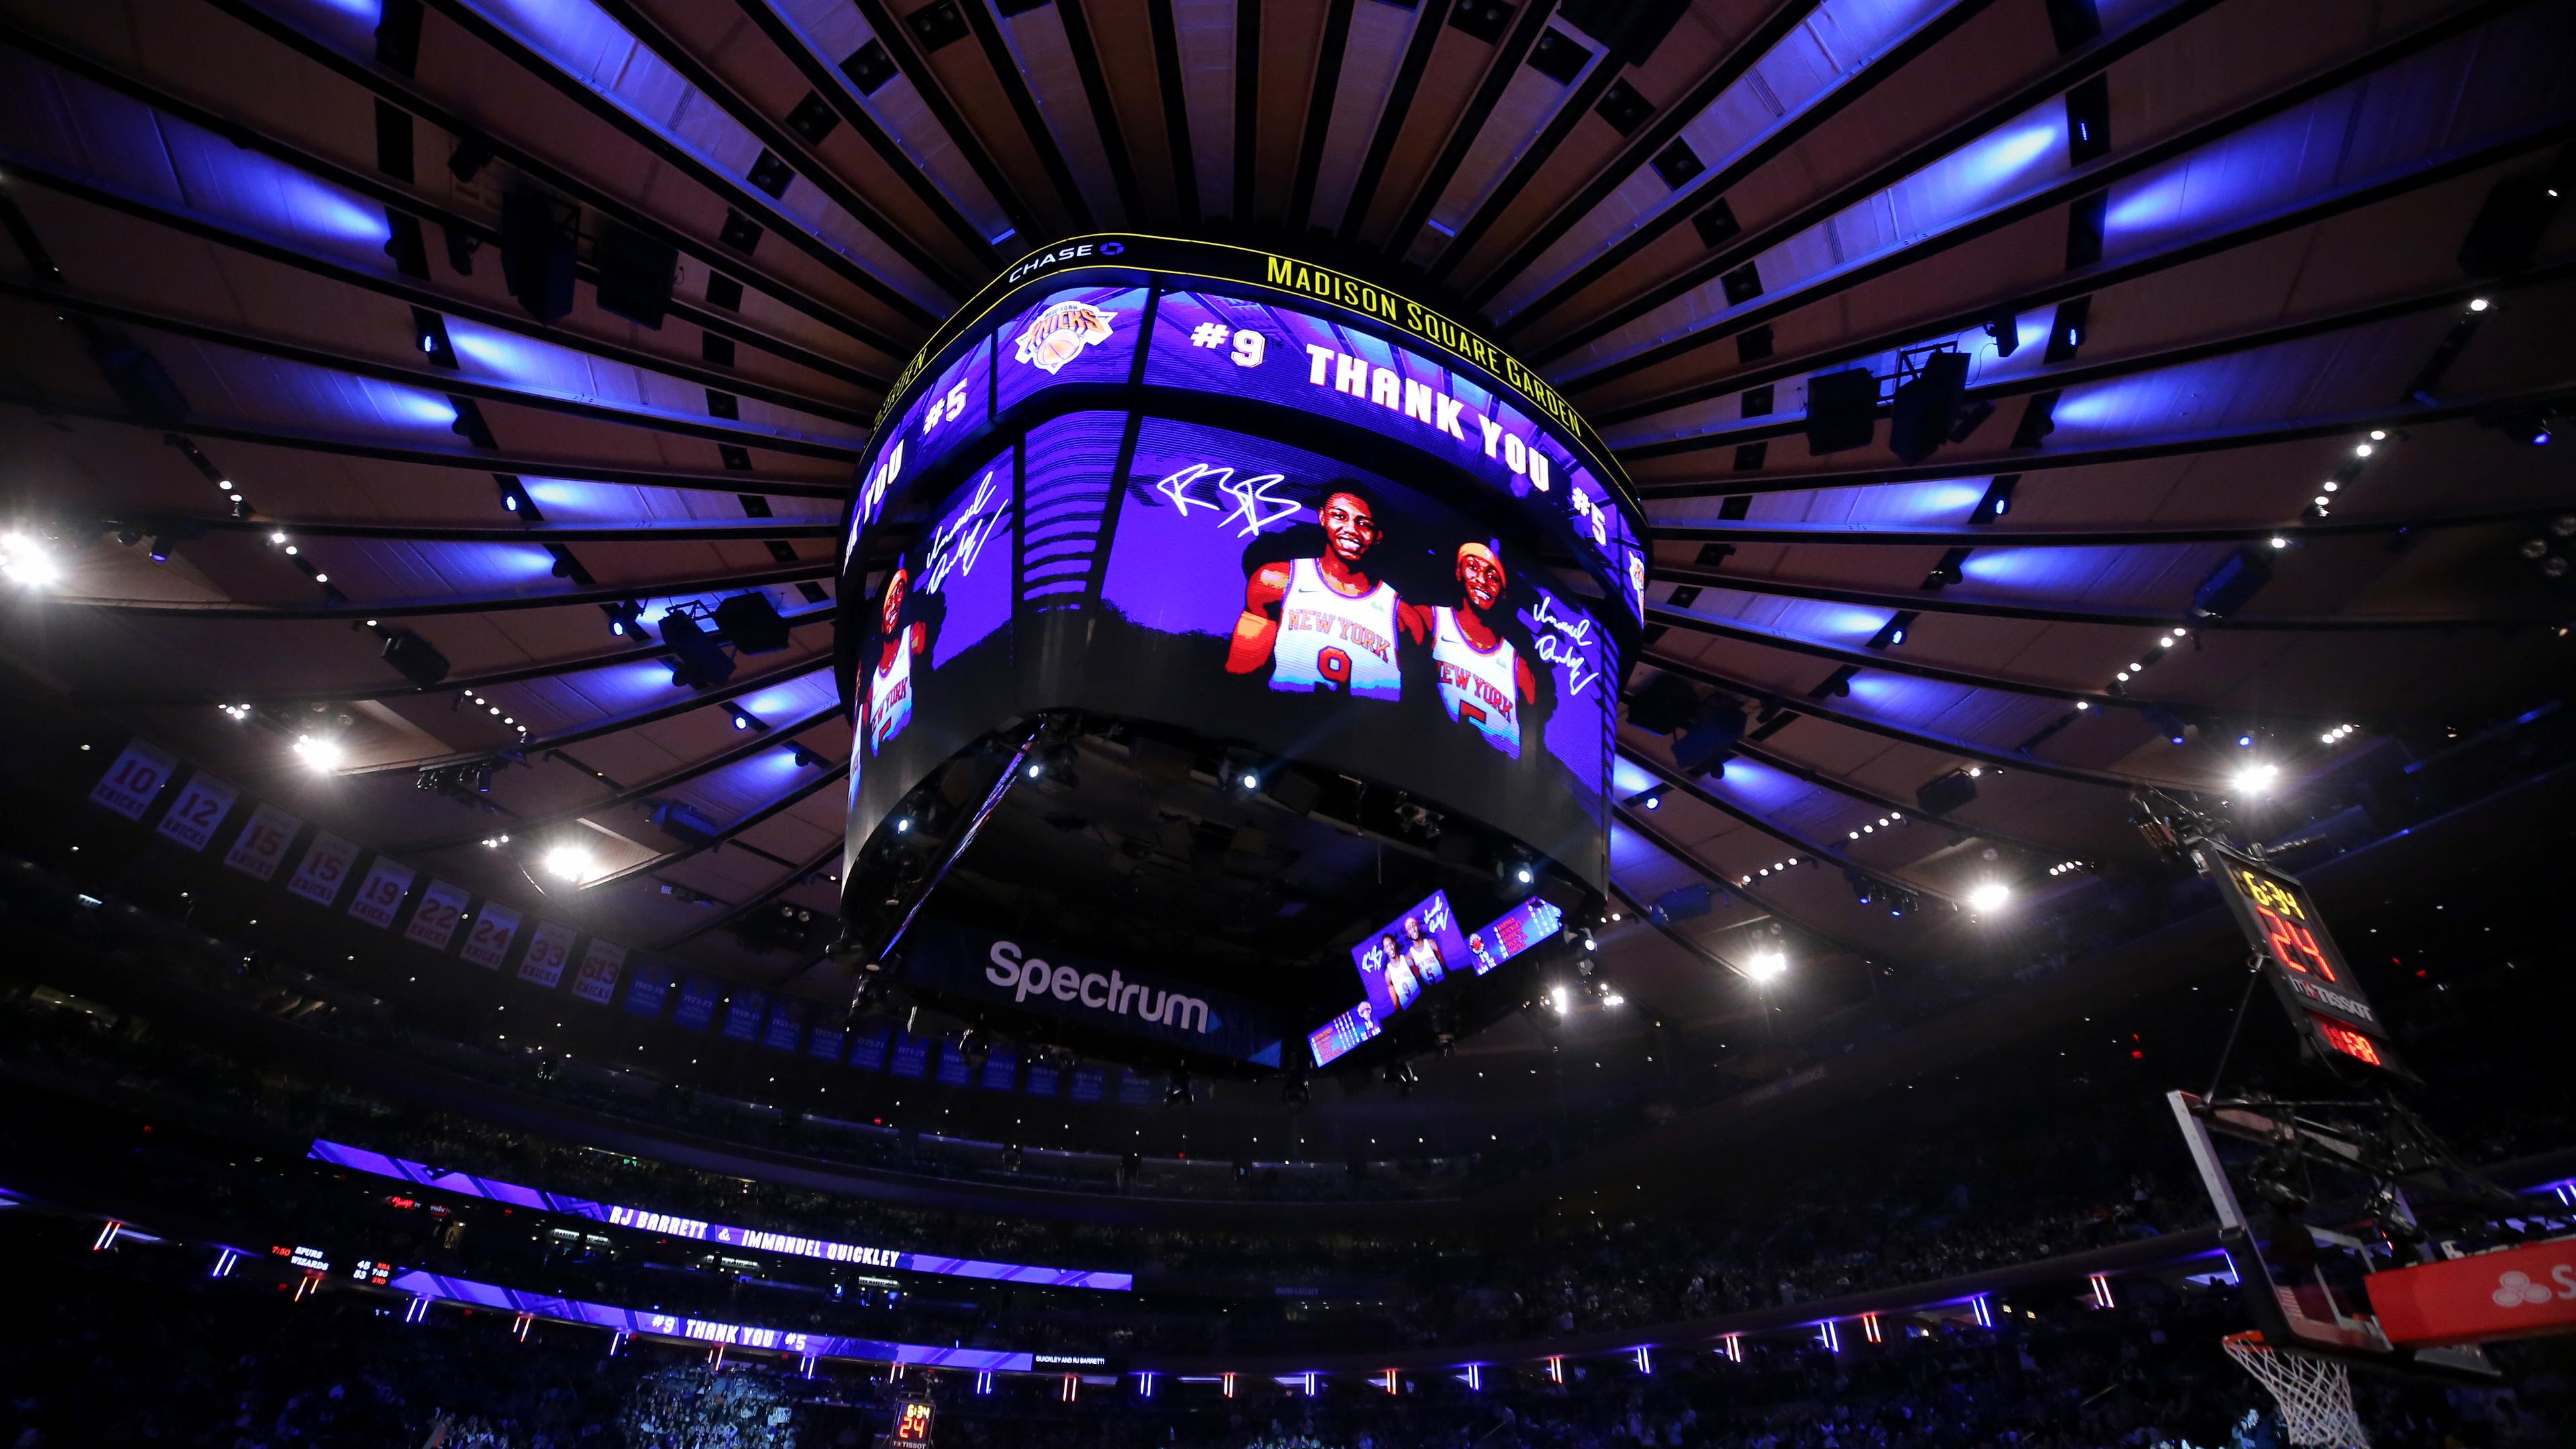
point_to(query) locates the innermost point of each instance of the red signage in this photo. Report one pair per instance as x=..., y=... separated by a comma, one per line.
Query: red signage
x=2513, y=1293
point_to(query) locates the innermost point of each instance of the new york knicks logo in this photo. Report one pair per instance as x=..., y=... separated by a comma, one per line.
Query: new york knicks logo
x=1057, y=335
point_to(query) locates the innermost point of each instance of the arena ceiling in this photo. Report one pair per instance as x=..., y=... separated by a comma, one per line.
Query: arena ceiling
x=2224, y=238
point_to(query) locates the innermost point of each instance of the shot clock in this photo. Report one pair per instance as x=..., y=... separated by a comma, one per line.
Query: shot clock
x=911, y=1423
x=2316, y=985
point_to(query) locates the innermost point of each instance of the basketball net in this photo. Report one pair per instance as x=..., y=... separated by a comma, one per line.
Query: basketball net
x=2315, y=1394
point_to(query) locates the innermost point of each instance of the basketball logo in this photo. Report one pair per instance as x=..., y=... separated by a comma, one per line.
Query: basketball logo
x=2514, y=1290
x=1057, y=335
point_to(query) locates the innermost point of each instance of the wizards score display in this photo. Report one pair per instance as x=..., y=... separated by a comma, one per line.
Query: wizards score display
x=1220, y=489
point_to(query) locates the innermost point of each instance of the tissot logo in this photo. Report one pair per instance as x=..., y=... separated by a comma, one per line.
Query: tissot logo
x=1026, y=976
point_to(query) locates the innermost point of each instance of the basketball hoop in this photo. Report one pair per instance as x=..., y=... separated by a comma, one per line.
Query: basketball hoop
x=2315, y=1394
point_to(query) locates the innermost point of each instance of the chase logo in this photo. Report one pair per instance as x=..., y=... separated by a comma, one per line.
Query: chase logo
x=1058, y=335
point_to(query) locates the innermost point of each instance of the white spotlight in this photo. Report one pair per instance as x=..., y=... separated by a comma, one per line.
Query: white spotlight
x=2256, y=779
x=569, y=862
x=1766, y=966
x=1558, y=999
x=1989, y=896
x=27, y=561
x=319, y=751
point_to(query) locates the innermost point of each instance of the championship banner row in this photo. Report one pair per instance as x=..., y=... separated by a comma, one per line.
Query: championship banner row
x=438, y=909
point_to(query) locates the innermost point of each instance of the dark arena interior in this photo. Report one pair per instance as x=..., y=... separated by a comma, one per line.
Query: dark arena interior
x=1287, y=724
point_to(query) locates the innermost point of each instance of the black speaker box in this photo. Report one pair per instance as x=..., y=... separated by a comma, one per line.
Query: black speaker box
x=751, y=624
x=413, y=656
x=635, y=275
x=1926, y=404
x=537, y=254
x=1842, y=411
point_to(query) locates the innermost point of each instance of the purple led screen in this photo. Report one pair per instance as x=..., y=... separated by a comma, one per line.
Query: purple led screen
x=1231, y=345
x=1251, y=589
x=1413, y=954
x=1534, y=922
x=944, y=413
x=1083, y=334
x=950, y=592
x=1349, y=614
x=360, y=1159
x=1327, y=1043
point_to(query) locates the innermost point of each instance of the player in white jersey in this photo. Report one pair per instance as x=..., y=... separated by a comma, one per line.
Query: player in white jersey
x=1402, y=986
x=1325, y=624
x=1422, y=953
x=1483, y=680
x=890, y=673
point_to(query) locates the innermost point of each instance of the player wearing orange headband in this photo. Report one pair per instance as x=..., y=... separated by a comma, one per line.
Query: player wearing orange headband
x=1484, y=682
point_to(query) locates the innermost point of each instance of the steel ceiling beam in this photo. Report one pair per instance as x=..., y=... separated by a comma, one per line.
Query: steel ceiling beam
x=833, y=88
x=795, y=877
x=2037, y=460
x=713, y=430
x=426, y=608
x=1391, y=117
x=1705, y=871
x=2089, y=280
x=1024, y=105
x=741, y=197
x=1831, y=855
x=1943, y=602
x=2064, y=73
x=403, y=289
x=401, y=93
x=1943, y=744
x=1505, y=63
x=771, y=739
x=1979, y=536
x=785, y=144
x=804, y=791
x=484, y=463
x=755, y=530
x=1886, y=660
x=2134, y=364
x=734, y=691
x=458, y=684
x=2081, y=181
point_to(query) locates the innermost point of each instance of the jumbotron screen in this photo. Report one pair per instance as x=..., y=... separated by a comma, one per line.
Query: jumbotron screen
x=1157, y=497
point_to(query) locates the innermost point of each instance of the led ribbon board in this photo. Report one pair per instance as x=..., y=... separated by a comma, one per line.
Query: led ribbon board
x=725, y=1235
x=2308, y=971
x=1214, y=487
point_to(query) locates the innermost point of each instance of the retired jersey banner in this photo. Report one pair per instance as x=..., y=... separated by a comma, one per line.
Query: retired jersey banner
x=201, y=806
x=745, y=1013
x=645, y=992
x=983, y=967
x=601, y=962
x=490, y=939
x=548, y=951
x=135, y=780
x=697, y=1004
x=261, y=846
x=433, y=921
x=325, y=868
x=381, y=893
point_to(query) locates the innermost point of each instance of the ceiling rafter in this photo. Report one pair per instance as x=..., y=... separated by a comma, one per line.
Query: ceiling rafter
x=2079, y=374
x=1769, y=905
x=784, y=143
x=776, y=737
x=1707, y=955
x=1944, y=744
x=1024, y=106
x=457, y=684
x=712, y=430
x=804, y=791
x=828, y=84
x=1104, y=113
x=2080, y=181
x=795, y=876
x=1504, y=63
x=734, y=691
x=746, y=199
x=1890, y=661
x=403, y=289
x=2034, y=460
x=1326, y=88
x=1850, y=789
x=463, y=604
x=402, y=93
x=751, y=530
x=1524, y=173
x=2064, y=74
x=1941, y=601
x=1176, y=109
x=2090, y=280
x=484, y=463
x=1981, y=536
x=1391, y=118
x=1806, y=848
